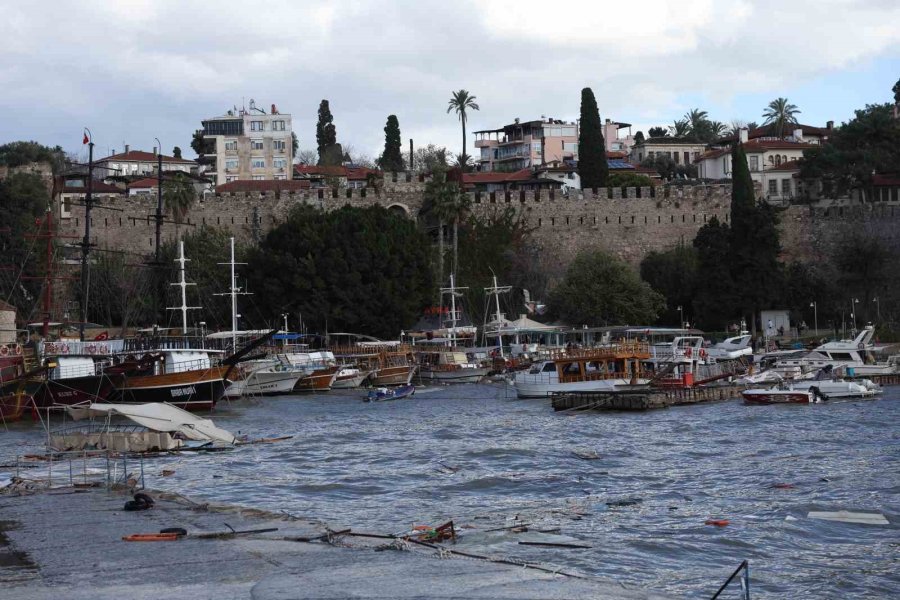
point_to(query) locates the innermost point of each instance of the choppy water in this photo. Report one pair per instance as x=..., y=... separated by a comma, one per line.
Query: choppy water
x=475, y=454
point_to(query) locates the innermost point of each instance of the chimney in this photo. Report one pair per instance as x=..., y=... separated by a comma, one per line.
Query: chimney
x=798, y=135
x=127, y=148
x=745, y=135
x=274, y=110
x=829, y=125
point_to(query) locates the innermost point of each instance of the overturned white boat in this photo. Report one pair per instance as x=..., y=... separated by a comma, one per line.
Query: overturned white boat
x=157, y=427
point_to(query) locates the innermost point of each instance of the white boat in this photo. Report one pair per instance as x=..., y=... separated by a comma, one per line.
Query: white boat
x=856, y=357
x=780, y=394
x=731, y=348
x=349, y=377
x=824, y=382
x=606, y=368
x=447, y=365
x=266, y=377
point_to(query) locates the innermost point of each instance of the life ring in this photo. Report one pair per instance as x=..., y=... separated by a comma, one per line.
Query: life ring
x=18, y=348
x=103, y=349
x=702, y=353
x=64, y=348
x=4, y=350
x=688, y=352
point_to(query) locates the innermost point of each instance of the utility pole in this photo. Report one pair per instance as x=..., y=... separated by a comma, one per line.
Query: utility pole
x=157, y=261
x=86, y=242
x=412, y=160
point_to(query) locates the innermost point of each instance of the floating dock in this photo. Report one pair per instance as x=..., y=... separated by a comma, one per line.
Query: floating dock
x=647, y=399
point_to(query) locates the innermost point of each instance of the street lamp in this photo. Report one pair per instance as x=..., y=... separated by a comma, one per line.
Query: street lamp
x=814, y=305
x=681, y=317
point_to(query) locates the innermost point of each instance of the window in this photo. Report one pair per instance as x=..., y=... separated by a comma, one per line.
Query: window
x=231, y=145
x=687, y=158
x=65, y=209
x=725, y=165
x=754, y=163
x=676, y=157
x=259, y=177
x=777, y=160
x=231, y=164
x=257, y=126
x=230, y=178
x=649, y=154
x=277, y=125
x=258, y=163
x=279, y=163
x=280, y=177
x=256, y=144
x=785, y=187
x=278, y=145
x=773, y=186
x=536, y=148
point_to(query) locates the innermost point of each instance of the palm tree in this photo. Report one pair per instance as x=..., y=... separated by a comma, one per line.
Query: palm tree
x=698, y=122
x=780, y=113
x=680, y=128
x=717, y=129
x=460, y=102
x=178, y=196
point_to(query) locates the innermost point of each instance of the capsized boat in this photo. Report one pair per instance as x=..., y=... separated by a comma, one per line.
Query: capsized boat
x=163, y=427
x=384, y=394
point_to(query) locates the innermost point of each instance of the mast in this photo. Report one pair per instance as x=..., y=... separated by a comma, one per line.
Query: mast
x=454, y=317
x=234, y=291
x=86, y=242
x=183, y=285
x=495, y=291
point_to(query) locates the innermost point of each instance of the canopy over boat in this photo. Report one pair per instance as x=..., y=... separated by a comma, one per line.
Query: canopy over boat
x=159, y=416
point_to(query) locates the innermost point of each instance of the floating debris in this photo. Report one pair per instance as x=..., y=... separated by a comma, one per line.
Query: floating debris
x=717, y=522
x=851, y=517
x=586, y=454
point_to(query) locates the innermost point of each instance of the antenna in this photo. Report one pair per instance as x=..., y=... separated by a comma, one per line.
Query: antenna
x=234, y=291
x=183, y=285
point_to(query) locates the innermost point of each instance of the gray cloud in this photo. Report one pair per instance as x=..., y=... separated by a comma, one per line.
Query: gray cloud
x=132, y=71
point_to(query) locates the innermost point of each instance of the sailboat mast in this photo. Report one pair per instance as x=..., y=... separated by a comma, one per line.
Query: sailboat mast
x=234, y=291
x=182, y=283
x=452, y=311
x=48, y=284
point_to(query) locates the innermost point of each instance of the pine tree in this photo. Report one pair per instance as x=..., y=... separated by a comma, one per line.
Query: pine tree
x=592, y=167
x=326, y=134
x=392, y=158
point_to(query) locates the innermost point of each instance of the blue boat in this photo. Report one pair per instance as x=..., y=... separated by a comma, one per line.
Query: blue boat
x=384, y=394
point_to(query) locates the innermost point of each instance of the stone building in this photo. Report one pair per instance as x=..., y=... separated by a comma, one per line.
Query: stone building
x=249, y=144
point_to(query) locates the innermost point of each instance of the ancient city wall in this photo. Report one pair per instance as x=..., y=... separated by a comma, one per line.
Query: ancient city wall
x=628, y=222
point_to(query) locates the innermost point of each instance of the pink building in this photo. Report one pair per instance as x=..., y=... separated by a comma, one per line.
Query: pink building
x=529, y=144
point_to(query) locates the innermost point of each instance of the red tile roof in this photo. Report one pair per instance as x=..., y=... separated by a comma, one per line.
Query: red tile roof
x=769, y=131
x=495, y=177
x=886, y=180
x=97, y=187
x=141, y=156
x=713, y=154
x=616, y=154
x=791, y=165
x=763, y=145
x=146, y=182
x=269, y=185
x=351, y=173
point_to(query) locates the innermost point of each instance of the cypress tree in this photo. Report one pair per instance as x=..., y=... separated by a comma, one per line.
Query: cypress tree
x=391, y=159
x=743, y=194
x=592, y=167
x=326, y=135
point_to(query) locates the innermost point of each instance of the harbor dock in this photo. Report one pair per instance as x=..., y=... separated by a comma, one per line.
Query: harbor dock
x=68, y=543
x=646, y=399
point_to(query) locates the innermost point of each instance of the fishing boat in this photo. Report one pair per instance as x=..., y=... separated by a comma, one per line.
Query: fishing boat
x=383, y=394
x=605, y=368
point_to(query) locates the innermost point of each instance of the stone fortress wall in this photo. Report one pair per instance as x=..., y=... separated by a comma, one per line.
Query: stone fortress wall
x=629, y=222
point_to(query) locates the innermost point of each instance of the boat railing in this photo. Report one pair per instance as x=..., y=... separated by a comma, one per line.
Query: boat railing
x=625, y=349
x=72, y=371
x=80, y=467
x=149, y=344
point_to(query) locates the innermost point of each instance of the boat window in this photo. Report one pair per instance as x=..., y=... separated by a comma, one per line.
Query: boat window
x=572, y=369
x=549, y=367
x=841, y=356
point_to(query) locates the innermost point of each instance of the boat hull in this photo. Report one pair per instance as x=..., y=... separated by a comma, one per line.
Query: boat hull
x=344, y=382
x=319, y=380
x=73, y=390
x=13, y=406
x=389, y=376
x=778, y=397
x=526, y=389
x=197, y=390
x=263, y=383
x=463, y=375
x=397, y=393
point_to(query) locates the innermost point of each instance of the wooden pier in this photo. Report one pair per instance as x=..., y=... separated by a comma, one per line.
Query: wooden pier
x=890, y=379
x=645, y=399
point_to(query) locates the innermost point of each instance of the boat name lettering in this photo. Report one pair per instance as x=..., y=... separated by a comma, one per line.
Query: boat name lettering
x=184, y=391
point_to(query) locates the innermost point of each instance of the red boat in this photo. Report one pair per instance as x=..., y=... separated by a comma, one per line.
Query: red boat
x=779, y=396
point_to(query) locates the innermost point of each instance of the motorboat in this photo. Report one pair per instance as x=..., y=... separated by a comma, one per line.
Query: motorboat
x=781, y=394
x=383, y=394
x=856, y=356
x=349, y=377
x=265, y=377
x=731, y=348
x=605, y=368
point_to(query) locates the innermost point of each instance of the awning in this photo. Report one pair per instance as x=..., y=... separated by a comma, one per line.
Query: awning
x=159, y=416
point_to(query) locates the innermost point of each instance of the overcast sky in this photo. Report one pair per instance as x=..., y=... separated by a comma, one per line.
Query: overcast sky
x=135, y=70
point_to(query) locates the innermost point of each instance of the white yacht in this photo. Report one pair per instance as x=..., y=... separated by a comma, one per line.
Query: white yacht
x=855, y=357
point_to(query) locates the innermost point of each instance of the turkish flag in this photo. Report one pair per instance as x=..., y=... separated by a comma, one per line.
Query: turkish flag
x=85, y=140
x=100, y=337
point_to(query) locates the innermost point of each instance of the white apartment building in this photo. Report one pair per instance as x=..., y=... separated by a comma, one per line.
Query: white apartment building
x=250, y=144
x=134, y=163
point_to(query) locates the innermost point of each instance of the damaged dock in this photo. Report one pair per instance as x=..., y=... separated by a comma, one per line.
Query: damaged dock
x=68, y=543
x=645, y=399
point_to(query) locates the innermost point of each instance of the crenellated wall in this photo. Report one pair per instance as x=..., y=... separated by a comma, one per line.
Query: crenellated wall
x=628, y=222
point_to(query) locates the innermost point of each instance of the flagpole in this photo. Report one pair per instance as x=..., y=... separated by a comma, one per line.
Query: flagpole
x=86, y=242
